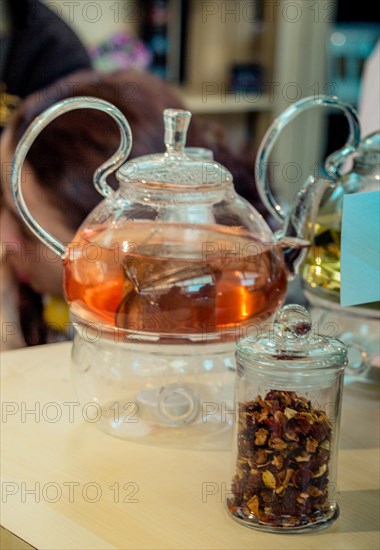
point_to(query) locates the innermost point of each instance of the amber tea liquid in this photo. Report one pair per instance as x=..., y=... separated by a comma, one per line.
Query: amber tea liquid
x=172, y=279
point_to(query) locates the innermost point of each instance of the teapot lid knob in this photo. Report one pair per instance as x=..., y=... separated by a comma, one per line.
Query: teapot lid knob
x=176, y=124
x=178, y=167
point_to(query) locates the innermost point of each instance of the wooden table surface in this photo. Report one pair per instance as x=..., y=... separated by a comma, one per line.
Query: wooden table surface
x=67, y=485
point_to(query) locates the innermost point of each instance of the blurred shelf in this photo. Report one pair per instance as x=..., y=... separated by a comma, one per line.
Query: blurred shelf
x=227, y=43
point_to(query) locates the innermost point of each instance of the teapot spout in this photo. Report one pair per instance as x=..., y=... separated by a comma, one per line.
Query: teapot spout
x=298, y=231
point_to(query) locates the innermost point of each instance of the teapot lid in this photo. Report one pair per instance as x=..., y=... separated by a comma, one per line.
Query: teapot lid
x=369, y=149
x=176, y=167
x=292, y=345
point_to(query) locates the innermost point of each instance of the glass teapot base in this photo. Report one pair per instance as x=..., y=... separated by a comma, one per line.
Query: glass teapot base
x=215, y=435
x=171, y=395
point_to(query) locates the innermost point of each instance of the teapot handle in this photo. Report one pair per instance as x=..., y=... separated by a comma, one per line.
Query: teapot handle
x=333, y=162
x=100, y=176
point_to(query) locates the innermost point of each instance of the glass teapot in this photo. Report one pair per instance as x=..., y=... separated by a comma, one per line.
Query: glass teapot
x=162, y=277
x=320, y=273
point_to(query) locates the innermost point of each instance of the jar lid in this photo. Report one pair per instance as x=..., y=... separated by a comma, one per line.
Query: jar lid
x=178, y=167
x=293, y=344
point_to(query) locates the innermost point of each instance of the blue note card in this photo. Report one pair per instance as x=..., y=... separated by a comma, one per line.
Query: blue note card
x=360, y=249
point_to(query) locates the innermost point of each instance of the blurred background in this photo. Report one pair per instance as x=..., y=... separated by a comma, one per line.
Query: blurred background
x=241, y=63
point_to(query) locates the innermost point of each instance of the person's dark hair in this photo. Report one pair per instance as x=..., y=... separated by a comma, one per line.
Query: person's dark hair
x=66, y=154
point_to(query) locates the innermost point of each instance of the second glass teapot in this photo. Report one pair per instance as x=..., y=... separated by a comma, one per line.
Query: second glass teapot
x=162, y=277
x=320, y=274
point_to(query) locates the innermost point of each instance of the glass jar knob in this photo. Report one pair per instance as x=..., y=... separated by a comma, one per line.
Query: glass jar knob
x=292, y=324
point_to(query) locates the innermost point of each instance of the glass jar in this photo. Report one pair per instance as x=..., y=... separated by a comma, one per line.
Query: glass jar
x=288, y=393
